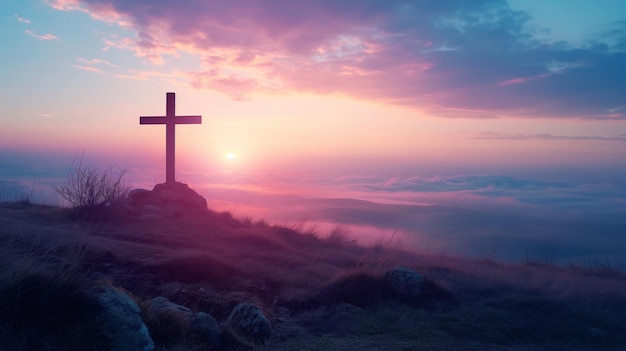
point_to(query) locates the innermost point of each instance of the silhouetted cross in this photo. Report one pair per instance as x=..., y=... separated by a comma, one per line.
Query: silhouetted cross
x=170, y=120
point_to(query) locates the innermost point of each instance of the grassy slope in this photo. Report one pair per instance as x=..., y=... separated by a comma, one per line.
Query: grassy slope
x=213, y=262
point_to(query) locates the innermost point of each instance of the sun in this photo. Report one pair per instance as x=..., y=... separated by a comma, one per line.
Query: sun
x=231, y=156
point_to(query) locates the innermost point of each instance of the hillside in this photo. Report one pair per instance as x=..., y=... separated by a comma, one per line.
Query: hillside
x=318, y=294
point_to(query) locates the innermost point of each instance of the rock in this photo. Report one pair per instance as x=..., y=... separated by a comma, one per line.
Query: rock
x=180, y=193
x=248, y=323
x=166, y=200
x=173, y=209
x=205, y=329
x=414, y=289
x=160, y=306
x=182, y=323
x=120, y=321
x=151, y=211
x=404, y=283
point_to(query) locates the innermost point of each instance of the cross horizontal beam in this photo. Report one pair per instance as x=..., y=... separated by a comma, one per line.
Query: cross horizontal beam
x=166, y=120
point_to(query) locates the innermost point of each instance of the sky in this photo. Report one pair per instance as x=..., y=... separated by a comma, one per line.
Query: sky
x=485, y=125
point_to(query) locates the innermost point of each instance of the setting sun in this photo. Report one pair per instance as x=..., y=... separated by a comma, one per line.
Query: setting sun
x=231, y=156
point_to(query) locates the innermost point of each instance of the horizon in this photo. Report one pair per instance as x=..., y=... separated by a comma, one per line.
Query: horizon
x=508, y=116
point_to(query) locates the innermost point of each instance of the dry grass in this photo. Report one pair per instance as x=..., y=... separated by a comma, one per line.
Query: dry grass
x=213, y=262
x=45, y=299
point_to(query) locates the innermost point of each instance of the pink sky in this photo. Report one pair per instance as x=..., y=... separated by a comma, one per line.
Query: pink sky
x=320, y=86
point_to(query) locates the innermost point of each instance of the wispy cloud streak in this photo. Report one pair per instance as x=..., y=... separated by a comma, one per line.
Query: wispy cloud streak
x=93, y=65
x=95, y=62
x=22, y=19
x=44, y=37
x=89, y=69
x=546, y=136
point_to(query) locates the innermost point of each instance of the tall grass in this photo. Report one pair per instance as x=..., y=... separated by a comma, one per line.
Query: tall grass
x=45, y=298
x=15, y=192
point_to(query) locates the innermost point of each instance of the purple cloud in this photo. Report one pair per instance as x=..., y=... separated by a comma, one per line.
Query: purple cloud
x=454, y=58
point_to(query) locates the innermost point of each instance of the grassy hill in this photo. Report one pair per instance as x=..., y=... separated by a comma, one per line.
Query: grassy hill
x=319, y=294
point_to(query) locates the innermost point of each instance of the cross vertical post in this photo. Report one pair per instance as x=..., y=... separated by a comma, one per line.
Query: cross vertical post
x=170, y=120
x=170, y=137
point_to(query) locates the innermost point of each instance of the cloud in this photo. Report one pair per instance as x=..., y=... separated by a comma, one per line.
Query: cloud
x=92, y=65
x=522, y=80
x=468, y=214
x=495, y=192
x=46, y=37
x=95, y=62
x=174, y=77
x=452, y=59
x=457, y=183
x=22, y=19
x=89, y=68
x=545, y=136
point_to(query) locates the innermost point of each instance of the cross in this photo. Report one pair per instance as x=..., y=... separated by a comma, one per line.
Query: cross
x=170, y=120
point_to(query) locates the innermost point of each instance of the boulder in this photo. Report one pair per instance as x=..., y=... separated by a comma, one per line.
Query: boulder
x=160, y=306
x=248, y=324
x=182, y=323
x=404, y=283
x=151, y=212
x=180, y=193
x=205, y=329
x=166, y=200
x=120, y=321
x=173, y=209
x=414, y=289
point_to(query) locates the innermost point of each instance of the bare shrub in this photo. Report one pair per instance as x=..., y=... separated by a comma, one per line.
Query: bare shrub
x=89, y=187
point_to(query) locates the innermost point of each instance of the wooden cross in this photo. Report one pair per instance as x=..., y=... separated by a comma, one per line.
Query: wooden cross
x=170, y=120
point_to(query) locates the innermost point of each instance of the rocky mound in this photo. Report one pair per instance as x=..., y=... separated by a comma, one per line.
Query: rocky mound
x=165, y=200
